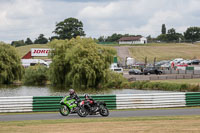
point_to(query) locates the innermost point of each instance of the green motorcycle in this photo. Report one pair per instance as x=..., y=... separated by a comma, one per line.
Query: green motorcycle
x=68, y=106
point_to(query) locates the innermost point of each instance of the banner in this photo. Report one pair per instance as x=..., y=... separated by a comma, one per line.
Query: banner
x=39, y=51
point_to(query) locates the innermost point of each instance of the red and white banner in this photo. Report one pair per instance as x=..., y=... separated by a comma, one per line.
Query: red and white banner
x=40, y=51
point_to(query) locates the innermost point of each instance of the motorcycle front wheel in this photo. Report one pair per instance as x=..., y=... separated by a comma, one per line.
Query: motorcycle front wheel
x=82, y=112
x=104, y=111
x=64, y=110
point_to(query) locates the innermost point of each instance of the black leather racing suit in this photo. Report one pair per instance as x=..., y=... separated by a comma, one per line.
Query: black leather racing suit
x=74, y=96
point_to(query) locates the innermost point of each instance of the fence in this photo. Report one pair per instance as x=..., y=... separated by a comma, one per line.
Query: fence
x=119, y=101
x=155, y=100
x=189, y=70
x=162, y=77
x=16, y=104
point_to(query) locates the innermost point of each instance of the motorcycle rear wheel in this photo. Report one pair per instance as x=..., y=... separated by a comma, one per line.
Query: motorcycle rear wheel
x=82, y=112
x=64, y=110
x=104, y=111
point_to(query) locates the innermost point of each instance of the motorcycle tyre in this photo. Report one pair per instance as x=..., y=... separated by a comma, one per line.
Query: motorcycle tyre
x=102, y=113
x=81, y=114
x=66, y=109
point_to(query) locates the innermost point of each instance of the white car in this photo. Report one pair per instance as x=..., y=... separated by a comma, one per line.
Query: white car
x=177, y=60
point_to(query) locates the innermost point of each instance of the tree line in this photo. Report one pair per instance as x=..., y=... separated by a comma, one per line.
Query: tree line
x=72, y=27
x=192, y=34
x=67, y=29
x=40, y=40
x=114, y=37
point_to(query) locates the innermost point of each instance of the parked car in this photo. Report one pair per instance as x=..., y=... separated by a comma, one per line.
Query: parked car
x=152, y=70
x=114, y=67
x=135, y=72
x=177, y=60
x=195, y=62
x=160, y=63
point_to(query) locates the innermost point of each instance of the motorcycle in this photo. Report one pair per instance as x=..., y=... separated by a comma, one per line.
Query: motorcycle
x=92, y=107
x=68, y=106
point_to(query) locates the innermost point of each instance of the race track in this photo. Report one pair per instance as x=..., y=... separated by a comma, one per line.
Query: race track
x=121, y=113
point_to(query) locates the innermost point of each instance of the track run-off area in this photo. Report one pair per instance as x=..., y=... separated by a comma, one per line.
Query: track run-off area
x=113, y=114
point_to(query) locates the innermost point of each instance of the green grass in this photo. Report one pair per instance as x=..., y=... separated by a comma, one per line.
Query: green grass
x=167, y=124
x=181, y=81
x=165, y=51
x=162, y=51
x=165, y=86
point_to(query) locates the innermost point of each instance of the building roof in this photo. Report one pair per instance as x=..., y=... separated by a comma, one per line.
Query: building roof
x=130, y=38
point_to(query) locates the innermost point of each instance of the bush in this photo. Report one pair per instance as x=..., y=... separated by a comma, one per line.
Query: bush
x=115, y=80
x=35, y=75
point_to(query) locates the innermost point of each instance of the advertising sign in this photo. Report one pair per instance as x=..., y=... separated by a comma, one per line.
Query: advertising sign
x=40, y=51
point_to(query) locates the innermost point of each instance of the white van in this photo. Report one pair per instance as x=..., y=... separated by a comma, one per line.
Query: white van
x=115, y=68
x=32, y=62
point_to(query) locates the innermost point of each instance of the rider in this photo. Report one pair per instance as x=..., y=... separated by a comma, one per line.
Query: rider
x=73, y=95
x=91, y=101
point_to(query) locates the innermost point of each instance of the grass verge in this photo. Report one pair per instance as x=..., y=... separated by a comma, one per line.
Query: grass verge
x=160, y=85
x=181, y=81
x=110, y=125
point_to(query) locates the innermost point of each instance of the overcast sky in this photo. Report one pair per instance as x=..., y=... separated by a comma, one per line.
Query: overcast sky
x=20, y=19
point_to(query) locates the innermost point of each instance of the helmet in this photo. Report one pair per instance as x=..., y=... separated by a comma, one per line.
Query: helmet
x=86, y=96
x=71, y=91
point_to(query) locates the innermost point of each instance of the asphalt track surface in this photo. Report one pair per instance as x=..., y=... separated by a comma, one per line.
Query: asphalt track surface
x=113, y=114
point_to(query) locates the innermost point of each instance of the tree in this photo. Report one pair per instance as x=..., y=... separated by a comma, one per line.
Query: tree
x=114, y=37
x=162, y=37
x=28, y=41
x=79, y=62
x=192, y=34
x=10, y=64
x=41, y=40
x=171, y=35
x=18, y=43
x=69, y=28
x=53, y=37
x=101, y=39
x=150, y=39
x=163, y=30
x=171, y=31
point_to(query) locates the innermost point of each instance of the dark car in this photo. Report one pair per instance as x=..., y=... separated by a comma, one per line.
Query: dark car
x=135, y=72
x=152, y=70
x=195, y=62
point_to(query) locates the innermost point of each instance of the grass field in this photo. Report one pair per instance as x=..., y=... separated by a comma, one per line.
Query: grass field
x=25, y=49
x=181, y=81
x=164, y=124
x=161, y=51
x=165, y=51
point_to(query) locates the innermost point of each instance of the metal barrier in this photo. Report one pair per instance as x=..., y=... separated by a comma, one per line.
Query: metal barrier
x=119, y=101
x=155, y=100
x=193, y=99
x=46, y=103
x=16, y=104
